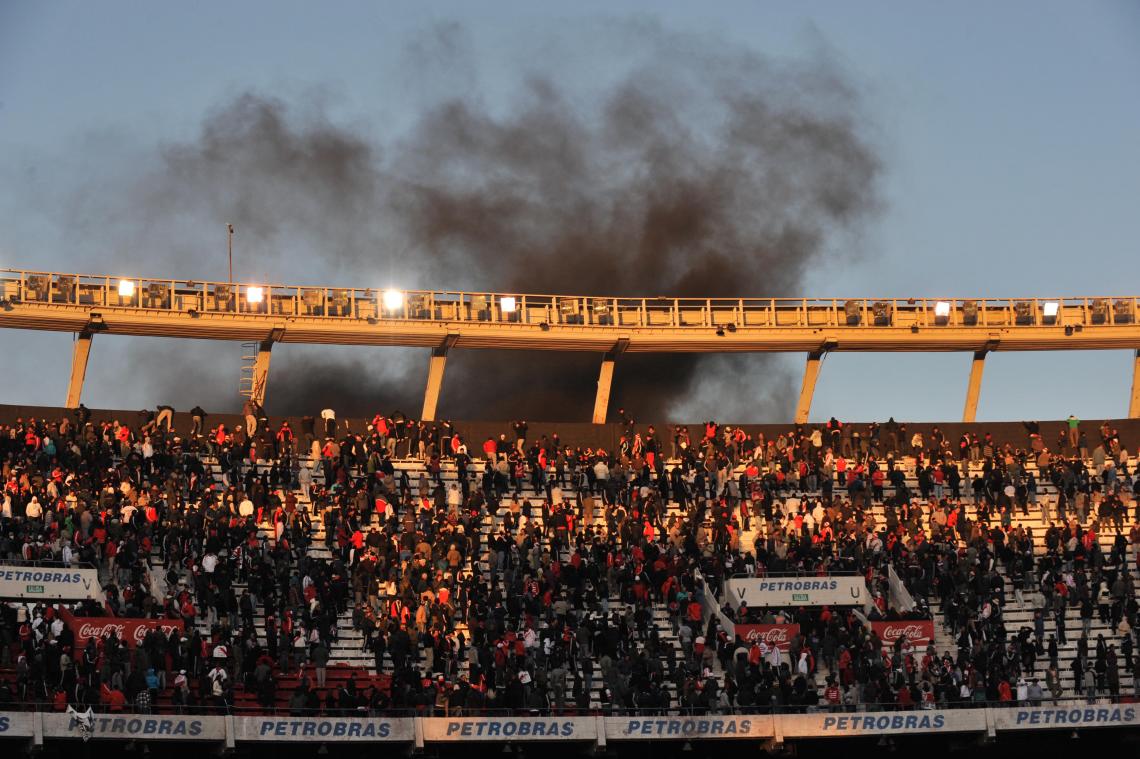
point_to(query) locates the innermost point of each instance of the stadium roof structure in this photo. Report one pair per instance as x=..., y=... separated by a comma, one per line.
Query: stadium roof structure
x=440, y=320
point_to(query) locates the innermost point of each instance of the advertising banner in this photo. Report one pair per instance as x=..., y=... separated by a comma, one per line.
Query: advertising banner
x=838, y=724
x=790, y=592
x=443, y=729
x=920, y=632
x=49, y=584
x=130, y=630
x=15, y=725
x=1068, y=717
x=150, y=727
x=779, y=636
x=688, y=727
x=328, y=729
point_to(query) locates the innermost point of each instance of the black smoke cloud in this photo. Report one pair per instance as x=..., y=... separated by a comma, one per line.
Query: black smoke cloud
x=702, y=170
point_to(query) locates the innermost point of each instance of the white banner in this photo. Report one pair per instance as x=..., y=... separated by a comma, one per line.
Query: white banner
x=49, y=583
x=683, y=728
x=15, y=725
x=151, y=727
x=837, y=724
x=295, y=729
x=790, y=592
x=442, y=729
x=1069, y=717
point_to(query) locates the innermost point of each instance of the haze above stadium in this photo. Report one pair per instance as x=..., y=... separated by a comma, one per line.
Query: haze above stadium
x=990, y=155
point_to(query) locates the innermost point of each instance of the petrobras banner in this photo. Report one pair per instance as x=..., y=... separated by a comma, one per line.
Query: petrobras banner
x=130, y=631
x=789, y=592
x=779, y=636
x=683, y=728
x=443, y=729
x=1076, y=715
x=15, y=725
x=151, y=727
x=49, y=584
x=920, y=632
x=329, y=729
x=837, y=724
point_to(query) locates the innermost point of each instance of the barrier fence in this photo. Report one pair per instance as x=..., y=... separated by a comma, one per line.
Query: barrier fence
x=232, y=729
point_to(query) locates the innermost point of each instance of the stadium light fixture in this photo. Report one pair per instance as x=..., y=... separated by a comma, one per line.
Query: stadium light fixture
x=254, y=294
x=1050, y=311
x=126, y=288
x=393, y=299
x=942, y=312
x=507, y=304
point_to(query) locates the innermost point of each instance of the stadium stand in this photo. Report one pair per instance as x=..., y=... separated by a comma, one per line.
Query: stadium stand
x=396, y=567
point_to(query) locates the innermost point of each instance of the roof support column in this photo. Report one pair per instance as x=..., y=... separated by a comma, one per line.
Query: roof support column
x=974, y=389
x=79, y=356
x=261, y=373
x=605, y=380
x=1134, y=405
x=436, y=365
x=807, y=390
x=260, y=378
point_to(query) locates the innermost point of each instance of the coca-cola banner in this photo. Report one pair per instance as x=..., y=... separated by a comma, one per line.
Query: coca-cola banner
x=130, y=630
x=779, y=636
x=920, y=632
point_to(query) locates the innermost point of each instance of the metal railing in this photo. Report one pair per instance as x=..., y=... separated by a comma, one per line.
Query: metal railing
x=606, y=710
x=377, y=304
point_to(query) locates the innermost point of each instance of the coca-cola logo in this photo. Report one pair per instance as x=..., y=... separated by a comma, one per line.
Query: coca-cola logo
x=774, y=635
x=911, y=632
x=131, y=632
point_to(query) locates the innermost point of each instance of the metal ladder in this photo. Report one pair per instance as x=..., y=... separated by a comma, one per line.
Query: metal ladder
x=248, y=362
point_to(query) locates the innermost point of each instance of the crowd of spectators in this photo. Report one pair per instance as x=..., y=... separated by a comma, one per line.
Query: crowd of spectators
x=501, y=587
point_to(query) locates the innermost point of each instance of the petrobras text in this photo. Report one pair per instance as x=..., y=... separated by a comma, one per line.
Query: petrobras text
x=15, y=725
x=827, y=725
x=629, y=728
x=788, y=592
x=327, y=729
x=509, y=728
x=139, y=726
x=1106, y=715
x=70, y=584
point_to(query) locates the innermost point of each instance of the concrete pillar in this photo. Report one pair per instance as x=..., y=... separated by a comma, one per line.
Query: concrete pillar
x=261, y=372
x=434, y=383
x=79, y=356
x=1134, y=404
x=807, y=390
x=435, y=376
x=605, y=380
x=974, y=389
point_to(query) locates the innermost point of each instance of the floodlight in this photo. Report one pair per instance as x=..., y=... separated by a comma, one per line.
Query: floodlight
x=852, y=309
x=1050, y=310
x=507, y=304
x=126, y=288
x=942, y=312
x=254, y=294
x=393, y=300
x=969, y=312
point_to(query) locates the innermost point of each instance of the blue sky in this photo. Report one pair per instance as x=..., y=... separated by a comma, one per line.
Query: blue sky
x=1009, y=134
